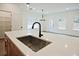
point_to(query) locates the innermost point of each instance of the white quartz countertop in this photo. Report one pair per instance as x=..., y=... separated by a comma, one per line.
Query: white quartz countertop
x=62, y=45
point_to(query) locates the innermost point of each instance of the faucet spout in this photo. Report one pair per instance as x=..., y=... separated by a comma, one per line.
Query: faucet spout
x=39, y=28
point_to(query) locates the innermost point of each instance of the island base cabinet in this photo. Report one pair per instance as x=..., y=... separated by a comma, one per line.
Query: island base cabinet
x=11, y=48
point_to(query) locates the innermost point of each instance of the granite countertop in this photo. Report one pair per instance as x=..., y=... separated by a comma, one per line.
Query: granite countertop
x=61, y=45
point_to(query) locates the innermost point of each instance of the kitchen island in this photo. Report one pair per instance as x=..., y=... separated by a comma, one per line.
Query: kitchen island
x=61, y=45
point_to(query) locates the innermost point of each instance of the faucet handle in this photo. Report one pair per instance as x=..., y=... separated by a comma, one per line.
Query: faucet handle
x=41, y=34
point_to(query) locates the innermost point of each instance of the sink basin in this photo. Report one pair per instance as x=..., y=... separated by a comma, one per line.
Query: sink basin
x=33, y=43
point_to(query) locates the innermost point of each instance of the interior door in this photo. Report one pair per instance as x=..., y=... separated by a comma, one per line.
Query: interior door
x=5, y=22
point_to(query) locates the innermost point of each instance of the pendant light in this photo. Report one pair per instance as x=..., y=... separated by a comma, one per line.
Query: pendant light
x=42, y=17
x=28, y=5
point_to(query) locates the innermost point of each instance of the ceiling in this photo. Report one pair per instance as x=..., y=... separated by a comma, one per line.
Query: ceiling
x=53, y=7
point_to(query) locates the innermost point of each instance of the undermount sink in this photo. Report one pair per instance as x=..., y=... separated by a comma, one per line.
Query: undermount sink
x=34, y=43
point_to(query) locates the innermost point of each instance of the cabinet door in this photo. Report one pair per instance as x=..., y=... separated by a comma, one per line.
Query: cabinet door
x=7, y=46
x=2, y=47
x=11, y=48
x=14, y=51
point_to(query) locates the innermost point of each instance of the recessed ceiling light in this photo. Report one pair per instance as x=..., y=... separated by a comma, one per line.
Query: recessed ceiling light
x=28, y=4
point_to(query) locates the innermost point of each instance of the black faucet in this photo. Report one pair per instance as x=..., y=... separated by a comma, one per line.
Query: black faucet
x=39, y=28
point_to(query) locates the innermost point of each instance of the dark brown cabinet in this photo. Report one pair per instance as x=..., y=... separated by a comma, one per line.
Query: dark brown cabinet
x=11, y=48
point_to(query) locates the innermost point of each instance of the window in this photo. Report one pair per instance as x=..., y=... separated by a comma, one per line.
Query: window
x=50, y=25
x=61, y=24
x=76, y=23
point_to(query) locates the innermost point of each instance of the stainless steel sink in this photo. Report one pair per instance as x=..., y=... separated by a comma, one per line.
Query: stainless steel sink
x=34, y=43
